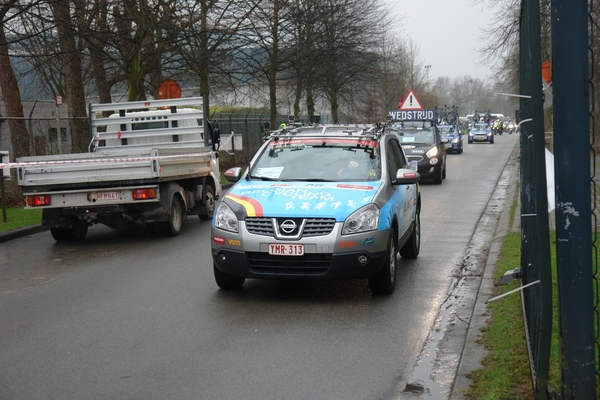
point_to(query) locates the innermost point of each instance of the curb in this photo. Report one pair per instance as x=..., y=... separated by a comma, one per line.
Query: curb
x=17, y=233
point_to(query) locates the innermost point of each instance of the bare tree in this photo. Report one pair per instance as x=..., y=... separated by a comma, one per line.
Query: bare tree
x=212, y=41
x=71, y=62
x=20, y=139
x=349, y=43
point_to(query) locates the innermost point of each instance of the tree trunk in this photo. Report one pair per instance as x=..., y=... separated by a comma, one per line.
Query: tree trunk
x=273, y=65
x=19, y=135
x=71, y=62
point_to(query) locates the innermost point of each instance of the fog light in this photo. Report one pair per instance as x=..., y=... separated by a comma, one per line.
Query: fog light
x=362, y=259
x=222, y=257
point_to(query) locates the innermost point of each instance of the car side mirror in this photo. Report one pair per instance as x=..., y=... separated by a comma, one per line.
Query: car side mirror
x=407, y=176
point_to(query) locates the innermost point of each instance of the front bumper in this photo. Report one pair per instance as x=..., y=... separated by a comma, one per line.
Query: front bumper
x=481, y=138
x=329, y=257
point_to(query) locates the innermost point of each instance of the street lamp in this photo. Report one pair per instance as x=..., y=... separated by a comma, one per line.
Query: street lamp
x=427, y=68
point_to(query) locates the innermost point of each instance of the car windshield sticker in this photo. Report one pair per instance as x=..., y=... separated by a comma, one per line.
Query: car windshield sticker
x=408, y=139
x=270, y=172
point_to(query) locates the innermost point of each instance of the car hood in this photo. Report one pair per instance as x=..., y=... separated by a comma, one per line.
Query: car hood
x=299, y=199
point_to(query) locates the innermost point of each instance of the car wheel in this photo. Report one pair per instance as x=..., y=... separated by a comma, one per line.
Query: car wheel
x=209, y=204
x=470, y=142
x=412, y=247
x=385, y=280
x=172, y=227
x=439, y=177
x=460, y=150
x=226, y=281
x=444, y=171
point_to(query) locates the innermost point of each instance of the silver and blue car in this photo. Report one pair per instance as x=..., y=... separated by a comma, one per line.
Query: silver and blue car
x=319, y=202
x=481, y=132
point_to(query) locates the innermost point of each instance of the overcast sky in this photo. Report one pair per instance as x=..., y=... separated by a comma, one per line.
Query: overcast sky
x=447, y=33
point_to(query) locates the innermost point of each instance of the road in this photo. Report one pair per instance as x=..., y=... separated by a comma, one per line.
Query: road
x=125, y=315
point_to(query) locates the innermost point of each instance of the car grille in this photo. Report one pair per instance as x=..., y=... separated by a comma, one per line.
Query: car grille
x=312, y=227
x=306, y=265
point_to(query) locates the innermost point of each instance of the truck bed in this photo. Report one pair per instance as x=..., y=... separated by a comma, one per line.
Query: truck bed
x=116, y=166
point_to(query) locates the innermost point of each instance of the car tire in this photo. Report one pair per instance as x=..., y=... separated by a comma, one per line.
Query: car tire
x=226, y=281
x=412, y=247
x=172, y=227
x=460, y=150
x=439, y=177
x=470, y=142
x=444, y=171
x=384, y=282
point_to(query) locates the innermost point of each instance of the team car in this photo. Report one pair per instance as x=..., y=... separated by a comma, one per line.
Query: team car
x=452, y=138
x=422, y=144
x=319, y=202
x=481, y=132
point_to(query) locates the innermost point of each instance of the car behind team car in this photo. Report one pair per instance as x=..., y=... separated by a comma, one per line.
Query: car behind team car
x=322, y=202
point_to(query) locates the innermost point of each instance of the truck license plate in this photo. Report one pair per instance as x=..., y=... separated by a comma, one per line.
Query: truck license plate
x=107, y=196
x=286, y=249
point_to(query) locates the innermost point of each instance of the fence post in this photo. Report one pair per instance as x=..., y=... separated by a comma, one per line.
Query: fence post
x=535, y=240
x=571, y=88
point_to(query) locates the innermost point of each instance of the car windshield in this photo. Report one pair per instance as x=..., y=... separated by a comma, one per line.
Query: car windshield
x=417, y=136
x=480, y=126
x=318, y=160
x=446, y=130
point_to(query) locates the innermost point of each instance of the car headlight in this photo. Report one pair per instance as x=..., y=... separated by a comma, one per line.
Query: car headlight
x=455, y=140
x=432, y=152
x=225, y=218
x=362, y=220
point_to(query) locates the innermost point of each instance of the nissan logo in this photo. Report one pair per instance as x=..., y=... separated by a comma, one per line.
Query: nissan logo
x=288, y=226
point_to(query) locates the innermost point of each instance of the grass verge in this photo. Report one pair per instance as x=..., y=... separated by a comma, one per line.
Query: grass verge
x=506, y=373
x=18, y=217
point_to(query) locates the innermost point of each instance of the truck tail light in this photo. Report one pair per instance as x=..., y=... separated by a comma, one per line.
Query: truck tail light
x=38, y=200
x=143, y=194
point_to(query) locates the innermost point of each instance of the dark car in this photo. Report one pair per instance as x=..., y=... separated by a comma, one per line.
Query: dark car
x=422, y=144
x=481, y=132
x=452, y=138
x=321, y=202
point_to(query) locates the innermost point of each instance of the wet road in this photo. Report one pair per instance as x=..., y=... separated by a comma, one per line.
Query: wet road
x=129, y=316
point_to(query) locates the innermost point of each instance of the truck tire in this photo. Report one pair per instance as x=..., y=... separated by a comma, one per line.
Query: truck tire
x=226, y=281
x=75, y=233
x=384, y=282
x=172, y=227
x=209, y=204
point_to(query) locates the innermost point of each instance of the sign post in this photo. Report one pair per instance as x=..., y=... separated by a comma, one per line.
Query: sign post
x=58, y=102
x=5, y=175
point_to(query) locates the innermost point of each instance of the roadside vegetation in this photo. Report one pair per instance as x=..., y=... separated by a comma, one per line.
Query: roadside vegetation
x=506, y=373
x=18, y=217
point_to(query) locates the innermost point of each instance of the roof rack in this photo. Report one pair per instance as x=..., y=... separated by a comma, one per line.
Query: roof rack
x=330, y=130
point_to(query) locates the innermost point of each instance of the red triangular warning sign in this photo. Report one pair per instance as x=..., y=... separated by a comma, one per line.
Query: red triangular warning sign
x=410, y=102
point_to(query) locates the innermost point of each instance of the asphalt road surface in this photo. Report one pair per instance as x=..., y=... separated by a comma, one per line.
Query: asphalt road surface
x=125, y=315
